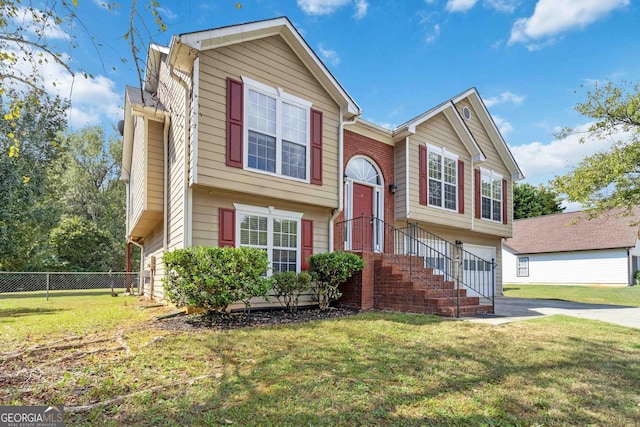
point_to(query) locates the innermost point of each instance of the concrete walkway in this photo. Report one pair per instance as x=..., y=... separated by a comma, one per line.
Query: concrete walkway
x=513, y=309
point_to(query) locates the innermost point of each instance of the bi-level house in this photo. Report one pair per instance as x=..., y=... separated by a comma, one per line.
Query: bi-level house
x=241, y=136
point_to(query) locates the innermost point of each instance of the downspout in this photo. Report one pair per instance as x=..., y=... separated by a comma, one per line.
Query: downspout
x=407, y=212
x=337, y=212
x=165, y=190
x=186, y=232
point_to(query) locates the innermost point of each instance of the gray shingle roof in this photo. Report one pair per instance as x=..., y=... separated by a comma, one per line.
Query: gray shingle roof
x=573, y=231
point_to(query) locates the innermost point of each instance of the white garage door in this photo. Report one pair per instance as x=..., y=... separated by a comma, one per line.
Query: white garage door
x=478, y=269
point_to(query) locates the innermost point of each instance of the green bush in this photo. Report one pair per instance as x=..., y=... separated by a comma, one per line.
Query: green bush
x=213, y=278
x=288, y=286
x=329, y=270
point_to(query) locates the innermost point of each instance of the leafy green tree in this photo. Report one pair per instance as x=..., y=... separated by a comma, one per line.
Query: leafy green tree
x=79, y=245
x=608, y=179
x=530, y=201
x=29, y=145
x=87, y=184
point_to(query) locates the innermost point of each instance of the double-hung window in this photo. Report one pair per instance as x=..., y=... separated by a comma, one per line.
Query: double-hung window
x=275, y=231
x=277, y=132
x=443, y=178
x=491, y=195
x=523, y=267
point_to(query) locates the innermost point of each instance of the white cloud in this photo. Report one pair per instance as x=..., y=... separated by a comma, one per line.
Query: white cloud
x=540, y=162
x=508, y=6
x=361, y=9
x=502, y=98
x=327, y=7
x=167, y=13
x=101, y=3
x=434, y=34
x=45, y=27
x=329, y=55
x=504, y=126
x=552, y=17
x=460, y=5
x=93, y=100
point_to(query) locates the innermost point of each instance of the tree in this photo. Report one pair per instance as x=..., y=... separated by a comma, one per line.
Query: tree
x=79, y=245
x=87, y=183
x=530, y=201
x=28, y=33
x=29, y=145
x=608, y=179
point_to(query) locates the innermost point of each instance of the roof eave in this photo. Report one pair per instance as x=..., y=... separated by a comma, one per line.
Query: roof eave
x=226, y=36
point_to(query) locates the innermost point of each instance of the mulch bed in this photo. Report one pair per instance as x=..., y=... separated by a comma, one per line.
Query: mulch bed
x=252, y=318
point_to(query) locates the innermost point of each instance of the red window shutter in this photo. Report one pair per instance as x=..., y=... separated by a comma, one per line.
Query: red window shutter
x=478, y=185
x=226, y=227
x=307, y=242
x=235, y=116
x=504, y=201
x=423, y=185
x=316, y=147
x=460, y=186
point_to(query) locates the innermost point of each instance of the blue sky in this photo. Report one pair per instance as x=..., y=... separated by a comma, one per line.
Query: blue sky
x=531, y=60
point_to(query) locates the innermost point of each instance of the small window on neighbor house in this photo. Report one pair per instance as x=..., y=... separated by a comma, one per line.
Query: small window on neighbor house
x=523, y=267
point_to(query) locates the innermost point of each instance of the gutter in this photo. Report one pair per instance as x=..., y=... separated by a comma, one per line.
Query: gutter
x=165, y=189
x=337, y=212
x=140, y=278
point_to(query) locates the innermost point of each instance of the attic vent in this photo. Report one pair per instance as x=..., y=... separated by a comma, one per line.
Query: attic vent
x=466, y=112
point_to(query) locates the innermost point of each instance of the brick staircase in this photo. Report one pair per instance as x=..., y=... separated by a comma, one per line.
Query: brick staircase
x=428, y=293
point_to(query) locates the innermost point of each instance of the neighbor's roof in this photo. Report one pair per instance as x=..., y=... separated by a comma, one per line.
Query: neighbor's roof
x=573, y=231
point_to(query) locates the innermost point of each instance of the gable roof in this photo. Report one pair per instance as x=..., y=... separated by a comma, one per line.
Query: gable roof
x=450, y=112
x=234, y=34
x=573, y=231
x=474, y=98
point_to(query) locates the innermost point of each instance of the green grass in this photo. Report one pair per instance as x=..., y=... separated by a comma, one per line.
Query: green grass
x=369, y=369
x=589, y=294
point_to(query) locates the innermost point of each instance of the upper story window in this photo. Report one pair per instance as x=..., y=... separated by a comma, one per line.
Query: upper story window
x=443, y=178
x=491, y=195
x=278, y=131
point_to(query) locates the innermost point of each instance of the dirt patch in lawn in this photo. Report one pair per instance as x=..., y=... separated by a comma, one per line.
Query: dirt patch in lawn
x=252, y=318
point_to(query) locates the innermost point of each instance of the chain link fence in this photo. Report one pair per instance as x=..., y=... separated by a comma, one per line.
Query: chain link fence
x=17, y=284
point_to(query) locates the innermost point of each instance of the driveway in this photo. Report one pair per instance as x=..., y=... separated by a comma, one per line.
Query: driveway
x=513, y=309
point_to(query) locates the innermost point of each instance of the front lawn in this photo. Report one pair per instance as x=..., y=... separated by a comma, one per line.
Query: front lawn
x=589, y=294
x=110, y=364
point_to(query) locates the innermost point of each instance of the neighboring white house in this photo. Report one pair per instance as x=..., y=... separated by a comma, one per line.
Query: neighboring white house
x=570, y=249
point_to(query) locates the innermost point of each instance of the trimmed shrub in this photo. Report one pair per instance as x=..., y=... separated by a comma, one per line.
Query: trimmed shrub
x=213, y=278
x=288, y=286
x=329, y=270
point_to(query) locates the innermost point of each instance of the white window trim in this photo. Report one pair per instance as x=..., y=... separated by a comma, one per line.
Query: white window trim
x=495, y=176
x=280, y=95
x=526, y=261
x=443, y=152
x=271, y=213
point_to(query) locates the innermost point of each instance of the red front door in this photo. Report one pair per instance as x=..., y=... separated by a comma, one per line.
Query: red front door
x=362, y=230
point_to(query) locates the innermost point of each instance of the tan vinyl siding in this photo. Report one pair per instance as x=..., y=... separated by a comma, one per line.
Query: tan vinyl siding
x=172, y=93
x=152, y=284
x=207, y=202
x=137, y=178
x=438, y=132
x=271, y=62
x=493, y=162
x=400, y=168
x=155, y=166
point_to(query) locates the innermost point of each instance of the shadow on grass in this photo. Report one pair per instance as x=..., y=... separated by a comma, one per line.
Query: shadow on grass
x=25, y=311
x=58, y=293
x=362, y=374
